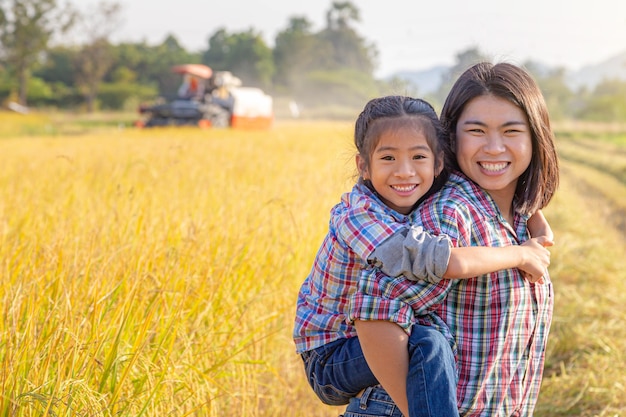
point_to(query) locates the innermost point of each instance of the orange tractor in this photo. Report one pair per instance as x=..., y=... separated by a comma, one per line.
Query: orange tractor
x=207, y=98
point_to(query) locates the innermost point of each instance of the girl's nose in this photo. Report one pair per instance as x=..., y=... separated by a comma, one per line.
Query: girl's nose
x=405, y=169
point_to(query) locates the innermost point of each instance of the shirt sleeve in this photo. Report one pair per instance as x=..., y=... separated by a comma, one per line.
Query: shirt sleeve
x=362, y=224
x=414, y=253
x=397, y=299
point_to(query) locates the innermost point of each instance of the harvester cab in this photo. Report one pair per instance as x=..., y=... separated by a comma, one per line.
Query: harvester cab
x=207, y=98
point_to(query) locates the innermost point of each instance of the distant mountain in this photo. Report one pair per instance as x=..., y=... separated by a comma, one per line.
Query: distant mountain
x=428, y=80
x=591, y=75
x=425, y=81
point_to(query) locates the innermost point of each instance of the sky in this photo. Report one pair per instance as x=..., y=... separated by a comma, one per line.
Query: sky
x=408, y=34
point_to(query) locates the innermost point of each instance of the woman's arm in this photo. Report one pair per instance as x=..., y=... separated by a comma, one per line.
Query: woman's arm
x=538, y=226
x=385, y=346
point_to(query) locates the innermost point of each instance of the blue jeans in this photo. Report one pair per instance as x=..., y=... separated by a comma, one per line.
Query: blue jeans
x=374, y=402
x=431, y=383
x=338, y=371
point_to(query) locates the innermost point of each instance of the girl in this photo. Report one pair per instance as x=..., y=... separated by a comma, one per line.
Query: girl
x=505, y=167
x=399, y=159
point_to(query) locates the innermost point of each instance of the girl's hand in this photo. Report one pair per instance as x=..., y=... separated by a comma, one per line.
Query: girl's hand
x=536, y=258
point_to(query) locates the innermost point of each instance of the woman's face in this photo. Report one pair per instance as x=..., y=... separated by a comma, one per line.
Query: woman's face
x=494, y=146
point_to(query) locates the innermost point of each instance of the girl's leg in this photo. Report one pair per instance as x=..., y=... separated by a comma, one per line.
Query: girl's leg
x=338, y=371
x=431, y=383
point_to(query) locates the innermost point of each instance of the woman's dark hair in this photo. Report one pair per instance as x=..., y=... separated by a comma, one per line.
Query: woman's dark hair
x=537, y=185
x=391, y=113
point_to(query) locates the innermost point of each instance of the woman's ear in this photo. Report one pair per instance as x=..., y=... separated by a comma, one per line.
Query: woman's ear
x=361, y=166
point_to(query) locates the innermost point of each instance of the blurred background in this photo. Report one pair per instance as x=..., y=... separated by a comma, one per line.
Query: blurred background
x=316, y=59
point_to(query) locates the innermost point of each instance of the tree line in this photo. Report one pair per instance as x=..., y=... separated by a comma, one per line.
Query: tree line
x=331, y=67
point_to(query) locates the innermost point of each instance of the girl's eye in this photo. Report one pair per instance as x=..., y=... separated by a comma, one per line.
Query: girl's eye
x=387, y=158
x=419, y=157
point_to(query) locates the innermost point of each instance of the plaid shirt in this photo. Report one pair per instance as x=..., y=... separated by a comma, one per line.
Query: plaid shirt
x=358, y=224
x=500, y=321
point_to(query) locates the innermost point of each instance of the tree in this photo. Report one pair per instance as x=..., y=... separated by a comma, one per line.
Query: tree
x=245, y=54
x=334, y=65
x=607, y=102
x=348, y=49
x=559, y=98
x=341, y=14
x=464, y=60
x=26, y=28
x=295, y=52
x=58, y=72
x=150, y=66
x=96, y=56
x=164, y=57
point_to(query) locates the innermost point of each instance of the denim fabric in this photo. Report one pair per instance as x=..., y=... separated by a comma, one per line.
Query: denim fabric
x=374, y=402
x=337, y=371
x=432, y=380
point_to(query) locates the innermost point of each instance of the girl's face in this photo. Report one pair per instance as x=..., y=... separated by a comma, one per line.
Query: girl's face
x=494, y=146
x=401, y=168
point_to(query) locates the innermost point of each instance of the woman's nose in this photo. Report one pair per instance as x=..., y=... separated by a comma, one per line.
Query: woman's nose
x=494, y=144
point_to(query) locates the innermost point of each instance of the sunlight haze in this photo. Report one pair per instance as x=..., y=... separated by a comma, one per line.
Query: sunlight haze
x=408, y=34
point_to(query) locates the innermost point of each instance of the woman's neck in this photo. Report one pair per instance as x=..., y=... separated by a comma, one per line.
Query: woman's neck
x=504, y=201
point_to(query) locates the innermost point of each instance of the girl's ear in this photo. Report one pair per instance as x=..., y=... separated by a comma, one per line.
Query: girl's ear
x=361, y=166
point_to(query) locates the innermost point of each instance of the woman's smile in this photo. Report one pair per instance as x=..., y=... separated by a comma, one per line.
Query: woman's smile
x=494, y=167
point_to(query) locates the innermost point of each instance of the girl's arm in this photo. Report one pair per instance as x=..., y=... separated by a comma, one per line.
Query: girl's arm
x=531, y=257
x=418, y=255
x=385, y=346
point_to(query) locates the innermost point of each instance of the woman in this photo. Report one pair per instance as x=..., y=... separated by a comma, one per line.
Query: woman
x=504, y=168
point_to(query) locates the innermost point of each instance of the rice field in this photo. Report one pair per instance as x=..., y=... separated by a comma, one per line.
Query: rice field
x=155, y=272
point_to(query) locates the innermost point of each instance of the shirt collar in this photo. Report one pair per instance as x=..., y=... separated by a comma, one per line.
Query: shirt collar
x=485, y=202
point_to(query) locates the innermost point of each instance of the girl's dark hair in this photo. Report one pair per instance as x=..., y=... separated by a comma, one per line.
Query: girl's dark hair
x=387, y=113
x=537, y=185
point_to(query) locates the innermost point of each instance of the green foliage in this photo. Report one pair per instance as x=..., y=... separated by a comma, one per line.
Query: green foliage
x=316, y=68
x=244, y=54
x=39, y=91
x=25, y=31
x=121, y=95
x=606, y=103
x=559, y=98
x=295, y=53
x=58, y=66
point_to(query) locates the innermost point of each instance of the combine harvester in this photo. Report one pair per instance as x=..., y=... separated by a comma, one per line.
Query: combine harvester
x=211, y=99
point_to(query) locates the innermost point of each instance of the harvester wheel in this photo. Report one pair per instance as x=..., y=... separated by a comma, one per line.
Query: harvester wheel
x=221, y=119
